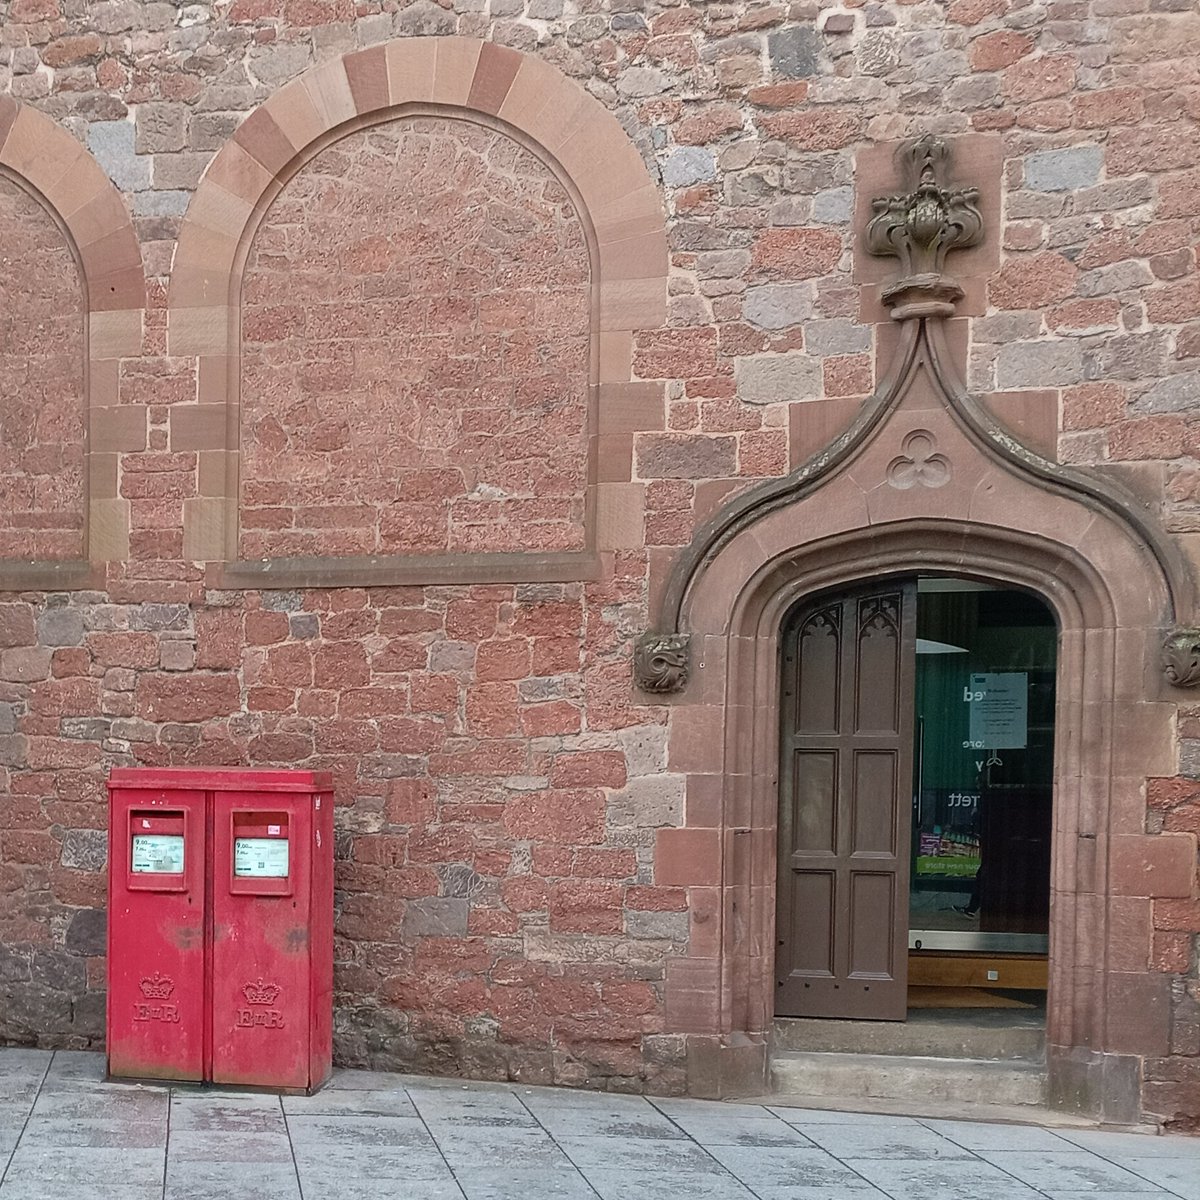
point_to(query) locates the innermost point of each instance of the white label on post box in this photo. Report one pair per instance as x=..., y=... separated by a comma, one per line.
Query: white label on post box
x=157, y=854
x=260, y=858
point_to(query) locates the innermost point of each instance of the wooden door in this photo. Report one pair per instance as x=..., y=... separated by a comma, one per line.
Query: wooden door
x=846, y=806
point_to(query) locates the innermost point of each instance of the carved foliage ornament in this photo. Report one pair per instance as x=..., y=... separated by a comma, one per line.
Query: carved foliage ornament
x=660, y=662
x=1181, y=657
x=920, y=228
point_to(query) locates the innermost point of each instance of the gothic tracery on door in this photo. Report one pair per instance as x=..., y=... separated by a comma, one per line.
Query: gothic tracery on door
x=847, y=751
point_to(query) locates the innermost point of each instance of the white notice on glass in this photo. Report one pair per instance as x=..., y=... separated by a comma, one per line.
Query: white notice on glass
x=157, y=854
x=260, y=858
x=1000, y=710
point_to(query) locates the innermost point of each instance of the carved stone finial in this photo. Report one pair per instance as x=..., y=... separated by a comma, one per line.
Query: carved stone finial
x=1181, y=657
x=660, y=662
x=920, y=228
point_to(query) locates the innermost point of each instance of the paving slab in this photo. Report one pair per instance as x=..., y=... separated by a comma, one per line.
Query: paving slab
x=65, y=1132
x=1054, y=1171
x=943, y=1179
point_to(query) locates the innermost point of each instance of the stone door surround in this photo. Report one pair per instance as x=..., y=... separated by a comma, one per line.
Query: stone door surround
x=925, y=480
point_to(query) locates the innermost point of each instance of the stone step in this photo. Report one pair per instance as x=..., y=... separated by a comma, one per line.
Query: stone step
x=896, y=1076
x=924, y=1035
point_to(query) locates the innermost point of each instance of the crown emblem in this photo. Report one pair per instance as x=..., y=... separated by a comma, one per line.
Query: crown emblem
x=260, y=992
x=157, y=986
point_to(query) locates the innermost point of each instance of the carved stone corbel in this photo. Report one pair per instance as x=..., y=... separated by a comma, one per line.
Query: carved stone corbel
x=661, y=662
x=920, y=228
x=1181, y=657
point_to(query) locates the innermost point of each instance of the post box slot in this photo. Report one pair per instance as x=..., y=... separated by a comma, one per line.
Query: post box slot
x=262, y=863
x=157, y=850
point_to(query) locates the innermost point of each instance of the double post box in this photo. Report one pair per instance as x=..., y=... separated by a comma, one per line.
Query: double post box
x=220, y=926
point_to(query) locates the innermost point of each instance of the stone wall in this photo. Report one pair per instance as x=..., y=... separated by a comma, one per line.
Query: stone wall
x=501, y=786
x=415, y=344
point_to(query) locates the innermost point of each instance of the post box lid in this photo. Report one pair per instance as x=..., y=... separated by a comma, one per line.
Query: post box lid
x=221, y=779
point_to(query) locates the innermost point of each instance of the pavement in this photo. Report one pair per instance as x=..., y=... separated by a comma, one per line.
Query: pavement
x=65, y=1134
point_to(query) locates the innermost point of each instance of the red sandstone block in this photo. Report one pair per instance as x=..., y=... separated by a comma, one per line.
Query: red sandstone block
x=16, y=625
x=24, y=664
x=264, y=628
x=657, y=899
x=1175, y=303
x=389, y=702
x=1153, y=865
x=1033, y=281
x=592, y=768
x=524, y=893
x=502, y=658
x=1138, y=1013
x=401, y=621
x=52, y=754
x=443, y=844
x=973, y=12
x=290, y=665
x=604, y=864
x=193, y=697
x=794, y=254
x=434, y=693
x=400, y=655
x=287, y=749
x=1177, y=915
x=1184, y=818
x=779, y=95
x=472, y=620
x=815, y=129
x=575, y=817
x=69, y=662
x=585, y=907
x=551, y=719
x=551, y=861
x=1040, y=78
x=494, y=757
x=687, y=857
x=493, y=922
x=66, y=698
x=137, y=650
x=341, y=665
x=1171, y=953
x=270, y=699
x=348, y=626
x=553, y=656
x=1168, y=792
x=994, y=51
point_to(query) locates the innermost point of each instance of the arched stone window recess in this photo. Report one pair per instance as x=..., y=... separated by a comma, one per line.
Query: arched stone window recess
x=76, y=309
x=417, y=82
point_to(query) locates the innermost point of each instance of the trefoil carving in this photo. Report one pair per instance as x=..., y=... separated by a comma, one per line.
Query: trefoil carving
x=920, y=228
x=661, y=662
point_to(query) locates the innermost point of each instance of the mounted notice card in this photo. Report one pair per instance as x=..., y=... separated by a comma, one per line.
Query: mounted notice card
x=260, y=858
x=157, y=854
x=1000, y=710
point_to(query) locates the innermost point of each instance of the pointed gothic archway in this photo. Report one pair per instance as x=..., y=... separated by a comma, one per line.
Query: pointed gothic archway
x=924, y=481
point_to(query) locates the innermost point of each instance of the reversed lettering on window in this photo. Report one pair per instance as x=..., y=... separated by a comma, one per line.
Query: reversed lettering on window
x=260, y=858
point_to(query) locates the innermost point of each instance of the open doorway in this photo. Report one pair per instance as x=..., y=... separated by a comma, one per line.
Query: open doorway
x=916, y=781
x=983, y=778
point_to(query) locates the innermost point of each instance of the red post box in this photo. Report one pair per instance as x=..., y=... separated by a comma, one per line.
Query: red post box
x=220, y=926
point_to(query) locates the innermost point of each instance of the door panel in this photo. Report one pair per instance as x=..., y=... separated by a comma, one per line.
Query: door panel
x=816, y=815
x=845, y=799
x=873, y=801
